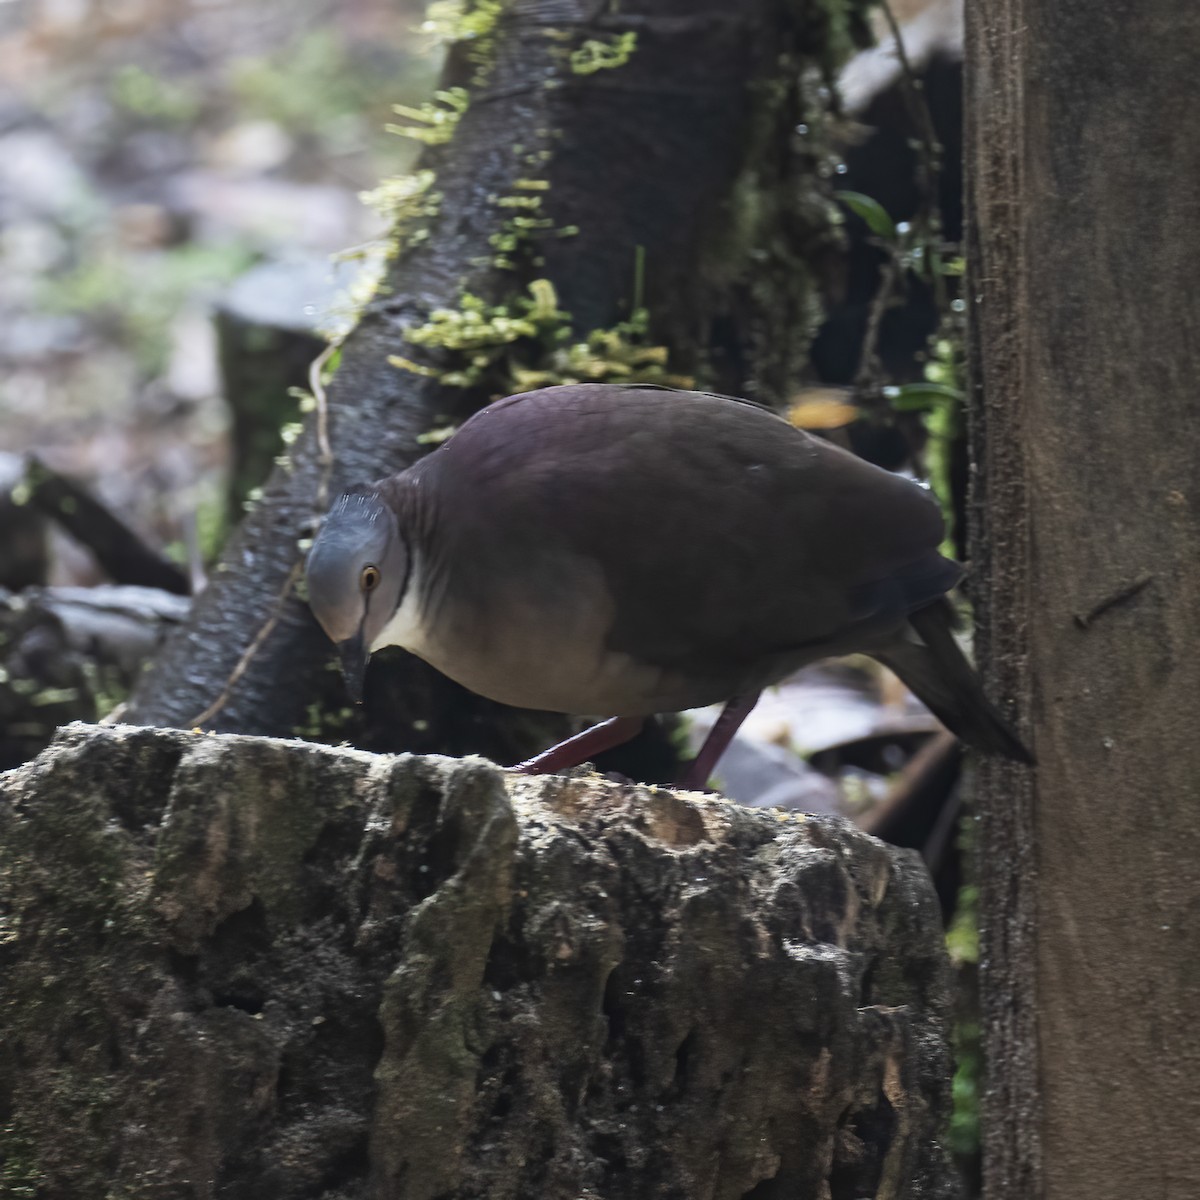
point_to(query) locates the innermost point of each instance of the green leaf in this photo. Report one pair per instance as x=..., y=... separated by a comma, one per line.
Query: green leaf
x=871, y=211
x=921, y=397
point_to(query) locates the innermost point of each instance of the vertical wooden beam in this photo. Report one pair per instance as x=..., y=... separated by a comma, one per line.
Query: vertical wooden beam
x=996, y=255
x=1084, y=255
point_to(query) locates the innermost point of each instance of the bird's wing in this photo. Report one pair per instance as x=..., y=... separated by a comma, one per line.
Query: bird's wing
x=718, y=529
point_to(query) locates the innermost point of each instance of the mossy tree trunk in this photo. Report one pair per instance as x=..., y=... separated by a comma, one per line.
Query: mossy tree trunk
x=680, y=153
x=1084, y=152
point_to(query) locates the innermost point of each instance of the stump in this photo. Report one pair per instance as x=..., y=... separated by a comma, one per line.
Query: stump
x=241, y=967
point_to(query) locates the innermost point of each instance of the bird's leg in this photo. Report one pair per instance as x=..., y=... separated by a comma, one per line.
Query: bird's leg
x=719, y=737
x=583, y=746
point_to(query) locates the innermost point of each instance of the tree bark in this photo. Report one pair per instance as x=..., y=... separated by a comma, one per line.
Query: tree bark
x=1084, y=152
x=241, y=968
x=688, y=151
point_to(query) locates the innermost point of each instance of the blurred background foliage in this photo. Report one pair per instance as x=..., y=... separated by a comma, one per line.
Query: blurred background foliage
x=151, y=151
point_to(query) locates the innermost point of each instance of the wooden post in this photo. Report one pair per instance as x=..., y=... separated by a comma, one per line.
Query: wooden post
x=1084, y=248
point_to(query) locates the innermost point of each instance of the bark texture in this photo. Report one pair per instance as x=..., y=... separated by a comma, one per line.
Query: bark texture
x=687, y=150
x=235, y=967
x=1084, y=151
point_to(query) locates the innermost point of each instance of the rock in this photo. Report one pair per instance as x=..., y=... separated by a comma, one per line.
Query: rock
x=250, y=148
x=294, y=295
x=240, y=967
x=320, y=218
x=931, y=29
x=38, y=175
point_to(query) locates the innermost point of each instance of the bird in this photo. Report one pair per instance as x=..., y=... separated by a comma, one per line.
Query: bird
x=619, y=551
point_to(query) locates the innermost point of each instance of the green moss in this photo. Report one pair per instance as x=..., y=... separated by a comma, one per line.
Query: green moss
x=480, y=336
x=779, y=219
x=529, y=203
x=622, y=354
x=290, y=432
x=528, y=343
x=596, y=55
x=436, y=119
x=408, y=202
x=470, y=21
x=522, y=228
x=461, y=20
x=212, y=525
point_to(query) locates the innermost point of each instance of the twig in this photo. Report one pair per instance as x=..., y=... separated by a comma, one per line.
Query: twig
x=868, y=378
x=252, y=649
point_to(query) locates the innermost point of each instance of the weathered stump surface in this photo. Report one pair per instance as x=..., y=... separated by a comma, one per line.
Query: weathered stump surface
x=237, y=967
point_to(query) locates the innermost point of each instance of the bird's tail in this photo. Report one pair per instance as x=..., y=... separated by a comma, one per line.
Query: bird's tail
x=937, y=672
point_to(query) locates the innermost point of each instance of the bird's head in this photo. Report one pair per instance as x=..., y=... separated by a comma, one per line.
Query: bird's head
x=357, y=572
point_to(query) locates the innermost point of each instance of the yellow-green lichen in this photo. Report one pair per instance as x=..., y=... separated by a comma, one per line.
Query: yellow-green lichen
x=435, y=120
x=597, y=55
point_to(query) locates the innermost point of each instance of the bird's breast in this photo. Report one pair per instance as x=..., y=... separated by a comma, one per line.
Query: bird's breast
x=542, y=647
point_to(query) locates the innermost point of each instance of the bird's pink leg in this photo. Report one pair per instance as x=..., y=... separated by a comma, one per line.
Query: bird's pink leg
x=583, y=746
x=719, y=737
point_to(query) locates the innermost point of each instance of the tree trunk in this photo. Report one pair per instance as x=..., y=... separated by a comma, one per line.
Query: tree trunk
x=1084, y=156
x=248, y=968
x=683, y=156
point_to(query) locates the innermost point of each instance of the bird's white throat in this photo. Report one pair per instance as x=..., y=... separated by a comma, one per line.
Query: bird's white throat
x=405, y=628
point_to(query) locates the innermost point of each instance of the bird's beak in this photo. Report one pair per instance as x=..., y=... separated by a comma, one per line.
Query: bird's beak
x=354, y=654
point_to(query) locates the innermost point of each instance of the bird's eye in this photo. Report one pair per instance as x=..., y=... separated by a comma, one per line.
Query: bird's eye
x=369, y=579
